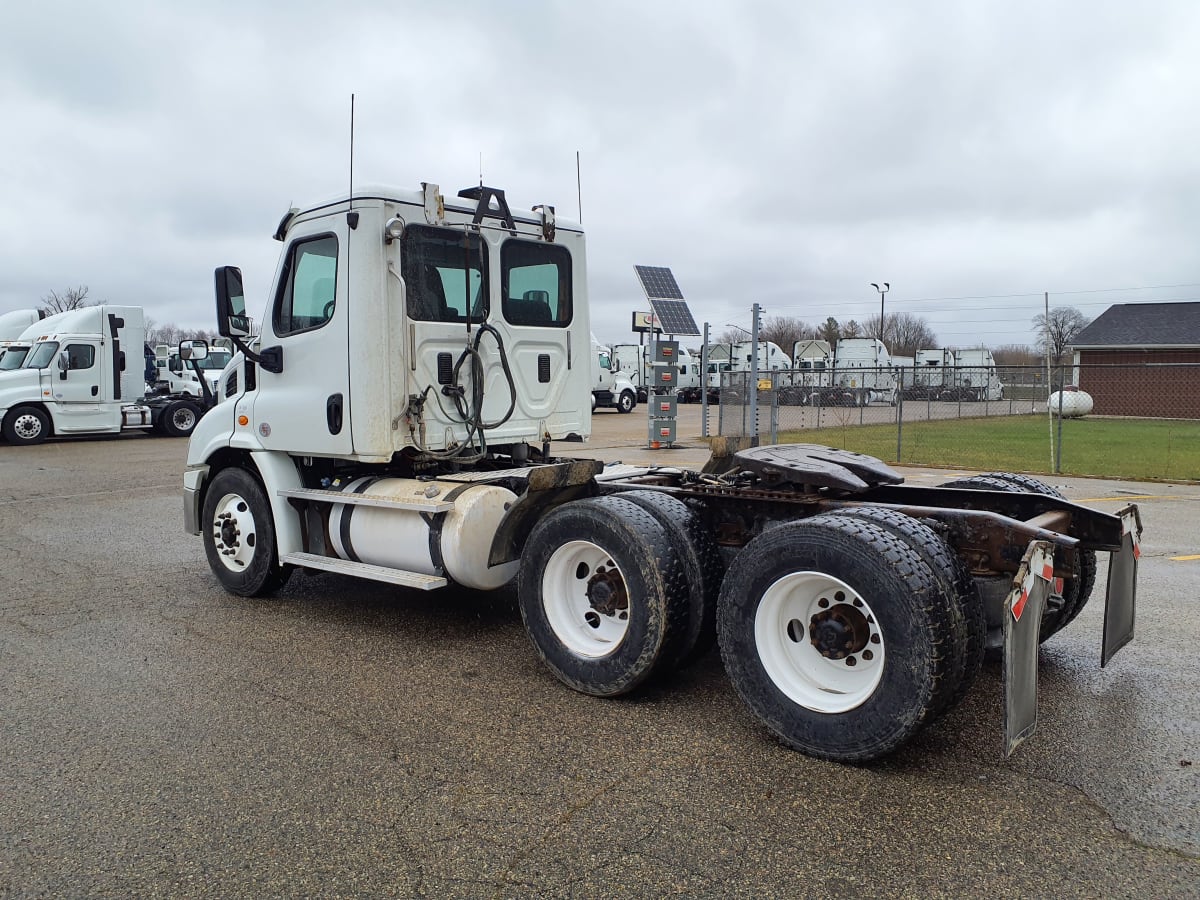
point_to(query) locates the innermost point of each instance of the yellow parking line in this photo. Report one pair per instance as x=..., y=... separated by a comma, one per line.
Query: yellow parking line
x=1185, y=558
x=1125, y=497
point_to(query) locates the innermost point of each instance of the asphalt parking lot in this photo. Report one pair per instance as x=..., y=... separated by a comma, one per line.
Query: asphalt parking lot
x=161, y=737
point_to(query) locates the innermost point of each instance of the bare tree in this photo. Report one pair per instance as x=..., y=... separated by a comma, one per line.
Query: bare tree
x=851, y=330
x=1058, y=329
x=785, y=331
x=1015, y=355
x=909, y=334
x=71, y=298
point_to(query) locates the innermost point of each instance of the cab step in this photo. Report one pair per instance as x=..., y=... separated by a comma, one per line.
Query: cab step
x=417, y=504
x=416, y=580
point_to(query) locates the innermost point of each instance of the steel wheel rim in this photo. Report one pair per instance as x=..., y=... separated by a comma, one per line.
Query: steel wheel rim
x=183, y=418
x=783, y=635
x=234, y=534
x=571, y=571
x=27, y=426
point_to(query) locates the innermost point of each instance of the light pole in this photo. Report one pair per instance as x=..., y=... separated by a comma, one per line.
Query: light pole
x=882, y=295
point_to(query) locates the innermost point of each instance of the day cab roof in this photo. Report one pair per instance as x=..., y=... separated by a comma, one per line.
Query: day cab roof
x=455, y=205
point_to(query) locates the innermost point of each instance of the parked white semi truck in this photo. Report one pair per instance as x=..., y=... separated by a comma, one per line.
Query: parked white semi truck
x=612, y=387
x=419, y=357
x=173, y=377
x=84, y=373
x=13, y=324
x=635, y=361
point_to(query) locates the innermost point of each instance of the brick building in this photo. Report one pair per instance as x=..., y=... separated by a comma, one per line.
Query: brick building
x=1142, y=359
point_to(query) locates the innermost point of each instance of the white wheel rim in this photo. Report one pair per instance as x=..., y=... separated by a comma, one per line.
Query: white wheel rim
x=234, y=533
x=581, y=620
x=783, y=635
x=27, y=426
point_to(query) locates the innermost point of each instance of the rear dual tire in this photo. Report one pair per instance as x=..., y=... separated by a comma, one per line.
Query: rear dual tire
x=839, y=637
x=1061, y=608
x=604, y=595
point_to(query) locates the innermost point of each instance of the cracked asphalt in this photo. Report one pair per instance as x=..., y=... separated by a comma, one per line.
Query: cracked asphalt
x=162, y=738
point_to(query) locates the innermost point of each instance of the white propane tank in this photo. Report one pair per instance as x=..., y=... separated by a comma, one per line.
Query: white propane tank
x=1075, y=403
x=455, y=543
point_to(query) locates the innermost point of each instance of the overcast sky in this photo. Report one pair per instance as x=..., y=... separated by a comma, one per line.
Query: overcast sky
x=971, y=154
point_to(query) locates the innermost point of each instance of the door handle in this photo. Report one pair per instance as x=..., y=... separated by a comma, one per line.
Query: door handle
x=333, y=413
x=95, y=390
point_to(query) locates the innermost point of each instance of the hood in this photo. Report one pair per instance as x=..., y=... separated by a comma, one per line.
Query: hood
x=19, y=386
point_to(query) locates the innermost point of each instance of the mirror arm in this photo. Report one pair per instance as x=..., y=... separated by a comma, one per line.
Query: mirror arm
x=271, y=358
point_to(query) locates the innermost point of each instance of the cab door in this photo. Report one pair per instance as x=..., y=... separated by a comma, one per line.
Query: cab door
x=304, y=409
x=82, y=388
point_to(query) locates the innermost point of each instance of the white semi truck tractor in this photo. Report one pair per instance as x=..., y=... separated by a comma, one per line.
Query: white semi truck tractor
x=420, y=357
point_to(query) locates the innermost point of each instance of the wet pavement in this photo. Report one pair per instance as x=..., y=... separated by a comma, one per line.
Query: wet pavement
x=347, y=738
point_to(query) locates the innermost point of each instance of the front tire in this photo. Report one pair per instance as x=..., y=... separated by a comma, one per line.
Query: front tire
x=626, y=402
x=26, y=425
x=601, y=590
x=835, y=634
x=239, y=535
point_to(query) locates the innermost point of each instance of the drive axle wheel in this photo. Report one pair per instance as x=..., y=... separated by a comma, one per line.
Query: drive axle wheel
x=968, y=619
x=602, y=594
x=834, y=632
x=1061, y=607
x=239, y=535
x=179, y=419
x=702, y=567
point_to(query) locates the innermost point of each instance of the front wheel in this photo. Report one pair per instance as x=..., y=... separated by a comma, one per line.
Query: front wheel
x=26, y=425
x=626, y=402
x=239, y=535
x=835, y=633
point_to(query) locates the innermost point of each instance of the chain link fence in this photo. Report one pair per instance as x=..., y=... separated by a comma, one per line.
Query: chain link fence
x=1136, y=420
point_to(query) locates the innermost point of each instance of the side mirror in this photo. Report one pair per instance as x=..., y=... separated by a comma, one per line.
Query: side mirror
x=197, y=349
x=63, y=364
x=232, y=320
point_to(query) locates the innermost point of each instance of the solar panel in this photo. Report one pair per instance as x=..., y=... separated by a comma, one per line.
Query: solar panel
x=674, y=317
x=658, y=283
x=666, y=299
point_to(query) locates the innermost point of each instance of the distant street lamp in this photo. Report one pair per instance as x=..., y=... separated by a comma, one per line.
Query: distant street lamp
x=882, y=295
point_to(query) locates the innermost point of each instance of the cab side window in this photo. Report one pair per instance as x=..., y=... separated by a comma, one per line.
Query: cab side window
x=308, y=286
x=80, y=356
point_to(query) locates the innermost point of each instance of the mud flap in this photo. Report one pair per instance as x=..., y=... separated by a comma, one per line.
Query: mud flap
x=1022, y=624
x=1121, y=595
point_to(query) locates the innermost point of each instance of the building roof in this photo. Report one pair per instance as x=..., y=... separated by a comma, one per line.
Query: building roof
x=1143, y=325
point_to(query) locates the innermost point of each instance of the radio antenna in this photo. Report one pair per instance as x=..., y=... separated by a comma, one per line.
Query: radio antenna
x=481, y=168
x=578, y=188
x=351, y=151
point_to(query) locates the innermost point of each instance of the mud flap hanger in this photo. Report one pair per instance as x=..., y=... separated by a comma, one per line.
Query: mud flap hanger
x=1023, y=619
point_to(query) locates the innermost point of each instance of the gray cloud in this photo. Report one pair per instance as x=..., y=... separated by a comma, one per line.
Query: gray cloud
x=769, y=151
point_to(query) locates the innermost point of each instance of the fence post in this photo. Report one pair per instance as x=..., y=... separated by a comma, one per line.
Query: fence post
x=899, y=424
x=1058, y=448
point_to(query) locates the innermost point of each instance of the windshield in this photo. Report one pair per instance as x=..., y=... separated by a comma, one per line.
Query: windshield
x=13, y=357
x=216, y=359
x=42, y=354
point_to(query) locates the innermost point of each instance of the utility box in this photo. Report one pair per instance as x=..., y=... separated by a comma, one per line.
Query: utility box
x=663, y=406
x=665, y=376
x=664, y=352
x=662, y=431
